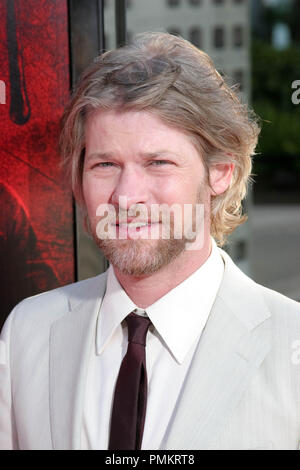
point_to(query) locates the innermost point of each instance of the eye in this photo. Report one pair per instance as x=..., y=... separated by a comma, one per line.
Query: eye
x=103, y=165
x=160, y=162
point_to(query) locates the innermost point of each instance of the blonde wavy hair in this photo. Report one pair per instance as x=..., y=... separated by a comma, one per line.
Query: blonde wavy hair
x=168, y=76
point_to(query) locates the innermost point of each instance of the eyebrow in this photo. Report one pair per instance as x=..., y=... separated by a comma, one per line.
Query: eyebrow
x=156, y=154
x=160, y=153
x=97, y=155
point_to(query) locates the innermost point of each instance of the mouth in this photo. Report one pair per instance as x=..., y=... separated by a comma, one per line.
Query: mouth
x=132, y=224
x=134, y=228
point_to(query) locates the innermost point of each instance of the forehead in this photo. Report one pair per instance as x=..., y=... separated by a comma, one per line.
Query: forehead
x=114, y=118
x=113, y=127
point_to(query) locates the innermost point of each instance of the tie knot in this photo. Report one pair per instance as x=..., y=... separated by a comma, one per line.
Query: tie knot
x=137, y=328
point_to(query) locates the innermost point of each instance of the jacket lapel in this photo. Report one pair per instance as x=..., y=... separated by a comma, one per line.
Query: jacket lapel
x=233, y=345
x=71, y=340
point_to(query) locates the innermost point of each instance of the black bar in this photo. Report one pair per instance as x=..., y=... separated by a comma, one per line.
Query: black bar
x=101, y=35
x=85, y=34
x=120, y=20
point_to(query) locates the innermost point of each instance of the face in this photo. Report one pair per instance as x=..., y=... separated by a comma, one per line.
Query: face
x=136, y=163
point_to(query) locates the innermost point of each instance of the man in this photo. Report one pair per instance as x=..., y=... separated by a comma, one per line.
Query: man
x=153, y=126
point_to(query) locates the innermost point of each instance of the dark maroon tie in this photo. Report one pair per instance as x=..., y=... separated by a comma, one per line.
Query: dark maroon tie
x=130, y=400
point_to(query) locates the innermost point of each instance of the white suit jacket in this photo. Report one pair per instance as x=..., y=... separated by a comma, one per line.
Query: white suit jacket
x=242, y=390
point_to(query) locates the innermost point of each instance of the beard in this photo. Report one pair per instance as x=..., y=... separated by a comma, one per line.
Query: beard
x=138, y=257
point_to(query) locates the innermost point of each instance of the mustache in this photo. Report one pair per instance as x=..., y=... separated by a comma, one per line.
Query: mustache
x=136, y=213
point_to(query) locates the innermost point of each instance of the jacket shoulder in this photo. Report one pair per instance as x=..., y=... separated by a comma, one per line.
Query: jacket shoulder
x=280, y=306
x=48, y=306
x=254, y=303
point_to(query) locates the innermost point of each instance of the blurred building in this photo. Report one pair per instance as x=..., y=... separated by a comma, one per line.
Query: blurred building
x=219, y=27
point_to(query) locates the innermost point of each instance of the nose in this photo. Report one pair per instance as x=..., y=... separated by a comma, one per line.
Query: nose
x=131, y=189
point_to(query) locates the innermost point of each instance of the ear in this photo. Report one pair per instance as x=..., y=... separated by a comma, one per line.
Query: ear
x=220, y=175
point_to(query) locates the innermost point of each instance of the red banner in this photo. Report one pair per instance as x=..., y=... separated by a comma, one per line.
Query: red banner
x=36, y=217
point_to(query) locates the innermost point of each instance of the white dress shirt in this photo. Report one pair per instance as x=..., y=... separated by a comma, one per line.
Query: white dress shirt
x=178, y=319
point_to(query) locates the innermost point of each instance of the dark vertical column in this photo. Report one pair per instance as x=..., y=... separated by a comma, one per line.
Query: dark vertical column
x=101, y=31
x=120, y=19
x=86, y=30
x=86, y=33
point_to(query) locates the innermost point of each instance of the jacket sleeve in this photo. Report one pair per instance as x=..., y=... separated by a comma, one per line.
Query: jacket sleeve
x=8, y=433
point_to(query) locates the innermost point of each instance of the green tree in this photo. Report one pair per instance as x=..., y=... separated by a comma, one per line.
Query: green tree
x=279, y=144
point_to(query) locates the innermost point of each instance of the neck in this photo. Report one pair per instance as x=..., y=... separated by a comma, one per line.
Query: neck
x=145, y=290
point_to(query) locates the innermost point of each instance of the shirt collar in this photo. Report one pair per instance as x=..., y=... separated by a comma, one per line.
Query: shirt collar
x=116, y=305
x=179, y=316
